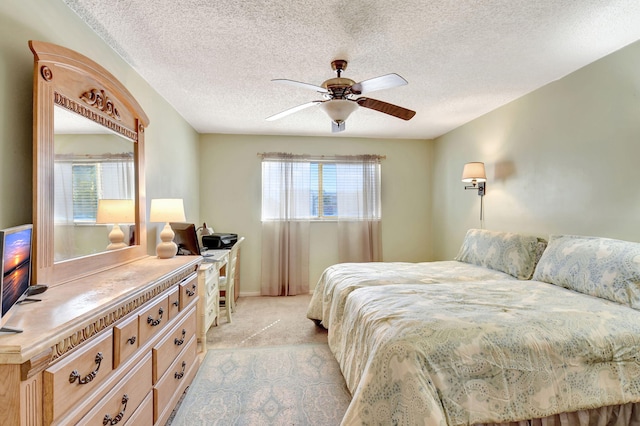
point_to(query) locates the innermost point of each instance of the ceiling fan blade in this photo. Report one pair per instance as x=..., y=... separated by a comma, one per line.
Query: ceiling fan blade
x=300, y=84
x=338, y=127
x=292, y=110
x=378, y=83
x=387, y=108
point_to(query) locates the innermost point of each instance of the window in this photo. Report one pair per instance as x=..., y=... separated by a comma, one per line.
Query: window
x=79, y=184
x=324, y=193
x=326, y=189
x=84, y=192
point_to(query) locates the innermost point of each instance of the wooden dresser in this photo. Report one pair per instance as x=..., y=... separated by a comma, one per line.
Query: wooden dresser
x=115, y=347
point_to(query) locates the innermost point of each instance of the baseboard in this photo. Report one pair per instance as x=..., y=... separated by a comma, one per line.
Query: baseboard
x=249, y=293
x=256, y=293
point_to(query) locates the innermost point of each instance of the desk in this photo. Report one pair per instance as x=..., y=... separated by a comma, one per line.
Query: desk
x=222, y=255
x=208, y=308
x=212, y=256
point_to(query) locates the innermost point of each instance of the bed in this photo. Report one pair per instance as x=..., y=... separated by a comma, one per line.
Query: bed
x=483, y=256
x=562, y=348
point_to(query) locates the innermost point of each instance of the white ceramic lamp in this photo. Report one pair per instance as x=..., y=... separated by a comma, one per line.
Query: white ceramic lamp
x=167, y=210
x=116, y=212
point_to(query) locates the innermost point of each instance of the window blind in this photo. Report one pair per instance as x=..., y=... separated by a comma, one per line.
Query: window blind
x=337, y=188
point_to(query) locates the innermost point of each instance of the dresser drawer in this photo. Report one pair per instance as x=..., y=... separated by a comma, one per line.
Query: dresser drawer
x=174, y=302
x=125, y=340
x=153, y=319
x=166, y=351
x=123, y=400
x=212, y=311
x=144, y=414
x=171, y=386
x=209, y=276
x=211, y=285
x=72, y=379
x=188, y=291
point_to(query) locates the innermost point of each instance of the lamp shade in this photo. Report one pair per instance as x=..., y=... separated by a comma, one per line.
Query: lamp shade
x=167, y=210
x=115, y=211
x=339, y=109
x=474, y=172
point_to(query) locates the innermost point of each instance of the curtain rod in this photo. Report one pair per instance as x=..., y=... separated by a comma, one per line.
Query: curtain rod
x=320, y=157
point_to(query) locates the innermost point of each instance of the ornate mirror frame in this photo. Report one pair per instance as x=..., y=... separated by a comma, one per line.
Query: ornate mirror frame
x=67, y=79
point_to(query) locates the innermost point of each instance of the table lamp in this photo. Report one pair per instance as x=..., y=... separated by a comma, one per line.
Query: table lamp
x=167, y=210
x=116, y=212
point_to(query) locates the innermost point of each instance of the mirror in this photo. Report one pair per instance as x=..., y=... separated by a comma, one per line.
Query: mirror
x=91, y=163
x=88, y=148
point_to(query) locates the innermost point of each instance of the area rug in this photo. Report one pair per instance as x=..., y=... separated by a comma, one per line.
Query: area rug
x=275, y=385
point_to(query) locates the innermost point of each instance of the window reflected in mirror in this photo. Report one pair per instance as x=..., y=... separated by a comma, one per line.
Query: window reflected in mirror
x=91, y=163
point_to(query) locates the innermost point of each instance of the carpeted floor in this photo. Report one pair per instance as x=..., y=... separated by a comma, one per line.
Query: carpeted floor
x=270, y=366
x=266, y=321
x=271, y=385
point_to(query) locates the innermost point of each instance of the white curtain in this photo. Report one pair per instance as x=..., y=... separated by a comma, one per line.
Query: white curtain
x=64, y=230
x=359, y=219
x=115, y=179
x=286, y=211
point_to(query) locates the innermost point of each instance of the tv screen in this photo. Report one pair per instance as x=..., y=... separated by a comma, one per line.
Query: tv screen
x=15, y=252
x=186, y=238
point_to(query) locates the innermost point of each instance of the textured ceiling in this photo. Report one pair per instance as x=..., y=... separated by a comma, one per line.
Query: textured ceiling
x=214, y=60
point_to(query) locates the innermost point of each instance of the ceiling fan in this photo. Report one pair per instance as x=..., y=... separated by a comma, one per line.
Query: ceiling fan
x=340, y=96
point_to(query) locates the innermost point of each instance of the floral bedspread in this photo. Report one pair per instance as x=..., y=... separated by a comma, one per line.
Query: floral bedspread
x=338, y=281
x=465, y=353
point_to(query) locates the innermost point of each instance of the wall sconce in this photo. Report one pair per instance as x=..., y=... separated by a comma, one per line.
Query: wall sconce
x=116, y=212
x=474, y=173
x=167, y=210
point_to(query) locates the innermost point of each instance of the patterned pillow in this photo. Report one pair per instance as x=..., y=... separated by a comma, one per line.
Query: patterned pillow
x=514, y=254
x=601, y=267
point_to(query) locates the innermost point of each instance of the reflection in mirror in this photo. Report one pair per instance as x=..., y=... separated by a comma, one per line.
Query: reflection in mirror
x=91, y=163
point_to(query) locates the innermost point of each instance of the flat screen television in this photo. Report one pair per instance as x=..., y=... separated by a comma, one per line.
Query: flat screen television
x=15, y=258
x=186, y=238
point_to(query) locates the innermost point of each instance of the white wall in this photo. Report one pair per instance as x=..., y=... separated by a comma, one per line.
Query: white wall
x=231, y=190
x=561, y=160
x=171, y=144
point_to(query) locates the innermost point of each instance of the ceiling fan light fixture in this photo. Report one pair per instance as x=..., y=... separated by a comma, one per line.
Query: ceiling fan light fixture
x=339, y=109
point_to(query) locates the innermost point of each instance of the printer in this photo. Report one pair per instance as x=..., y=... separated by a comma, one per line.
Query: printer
x=219, y=241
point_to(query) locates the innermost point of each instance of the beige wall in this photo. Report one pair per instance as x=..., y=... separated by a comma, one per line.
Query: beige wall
x=563, y=159
x=171, y=144
x=230, y=198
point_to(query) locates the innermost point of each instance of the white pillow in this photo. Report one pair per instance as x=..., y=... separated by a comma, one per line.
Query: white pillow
x=513, y=254
x=601, y=267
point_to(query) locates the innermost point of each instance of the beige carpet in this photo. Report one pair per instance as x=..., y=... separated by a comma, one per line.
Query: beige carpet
x=266, y=321
x=269, y=366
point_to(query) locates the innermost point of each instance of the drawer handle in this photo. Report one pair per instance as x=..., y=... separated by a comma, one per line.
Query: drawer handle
x=89, y=377
x=107, y=418
x=176, y=303
x=179, y=375
x=131, y=340
x=177, y=341
x=155, y=322
x=191, y=293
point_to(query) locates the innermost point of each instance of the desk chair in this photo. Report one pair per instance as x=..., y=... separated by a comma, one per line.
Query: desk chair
x=227, y=283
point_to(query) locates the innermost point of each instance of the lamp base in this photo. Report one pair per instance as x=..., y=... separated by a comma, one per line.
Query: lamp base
x=167, y=248
x=116, y=238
